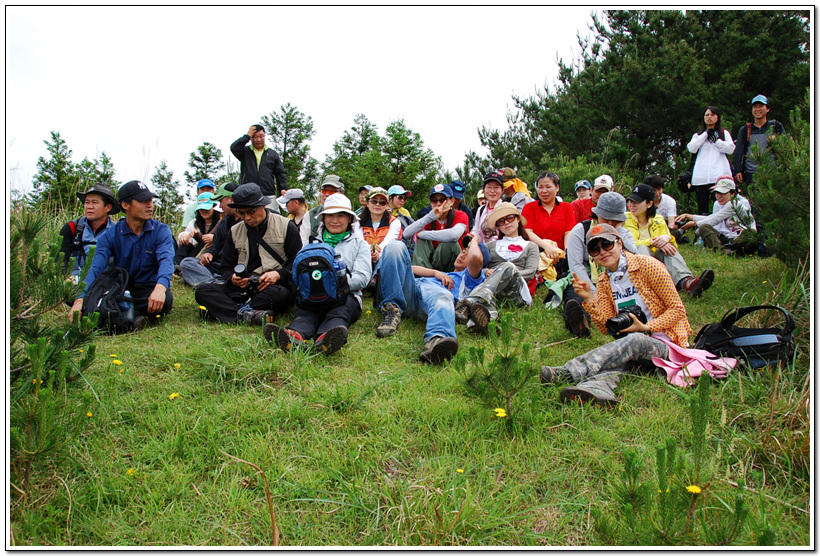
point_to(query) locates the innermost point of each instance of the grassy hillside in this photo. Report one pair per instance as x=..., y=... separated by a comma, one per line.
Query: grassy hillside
x=371, y=447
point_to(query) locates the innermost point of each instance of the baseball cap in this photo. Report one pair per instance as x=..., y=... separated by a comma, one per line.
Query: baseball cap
x=205, y=201
x=225, y=190
x=642, y=192
x=374, y=191
x=398, y=190
x=458, y=189
x=205, y=183
x=365, y=188
x=724, y=185
x=443, y=189
x=334, y=181
x=290, y=195
x=761, y=98
x=582, y=184
x=103, y=191
x=494, y=176
x=604, y=231
x=604, y=182
x=134, y=191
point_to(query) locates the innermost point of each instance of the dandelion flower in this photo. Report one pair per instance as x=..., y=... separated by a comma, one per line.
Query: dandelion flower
x=459, y=471
x=177, y=365
x=114, y=355
x=203, y=308
x=131, y=471
x=81, y=350
x=500, y=412
x=173, y=395
x=368, y=312
x=694, y=489
x=117, y=362
x=89, y=414
x=765, y=281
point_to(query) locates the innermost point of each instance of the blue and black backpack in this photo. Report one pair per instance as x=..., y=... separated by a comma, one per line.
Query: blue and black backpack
x=320, y=277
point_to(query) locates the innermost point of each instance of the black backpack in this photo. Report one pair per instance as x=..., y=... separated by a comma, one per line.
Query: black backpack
x=104, y=297
x=759, y=347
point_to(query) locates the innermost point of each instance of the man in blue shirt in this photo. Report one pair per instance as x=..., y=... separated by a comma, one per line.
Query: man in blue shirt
x=144, y=247
x=81, y=234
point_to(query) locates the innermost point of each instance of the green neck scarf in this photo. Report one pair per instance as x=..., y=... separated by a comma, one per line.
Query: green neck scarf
x=334, y=239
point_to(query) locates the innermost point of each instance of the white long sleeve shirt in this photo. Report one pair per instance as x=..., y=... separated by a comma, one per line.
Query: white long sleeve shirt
x=711, y=162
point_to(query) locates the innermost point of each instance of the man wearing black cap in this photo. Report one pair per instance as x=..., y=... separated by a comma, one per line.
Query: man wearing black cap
x=206, y=268
x=258, y=163
x=257, y=259
x=144, y=247
x=83, y=232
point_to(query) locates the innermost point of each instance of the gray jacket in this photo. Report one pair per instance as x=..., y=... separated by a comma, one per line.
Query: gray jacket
x=355, y=253
x=527, y=263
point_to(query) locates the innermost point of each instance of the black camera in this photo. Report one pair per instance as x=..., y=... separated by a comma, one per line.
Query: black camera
x=623, y=320
x=242, y=272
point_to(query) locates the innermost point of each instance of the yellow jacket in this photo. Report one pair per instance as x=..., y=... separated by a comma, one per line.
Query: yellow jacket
x=657, y=227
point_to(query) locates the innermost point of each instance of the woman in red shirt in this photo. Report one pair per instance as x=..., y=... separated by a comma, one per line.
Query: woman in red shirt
x=548, y=218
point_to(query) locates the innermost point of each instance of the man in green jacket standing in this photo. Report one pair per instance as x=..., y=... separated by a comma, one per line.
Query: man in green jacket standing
x=258, y=163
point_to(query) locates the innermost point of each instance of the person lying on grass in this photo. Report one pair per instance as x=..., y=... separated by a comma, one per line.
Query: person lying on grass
x=629, y=282
x=329, y=326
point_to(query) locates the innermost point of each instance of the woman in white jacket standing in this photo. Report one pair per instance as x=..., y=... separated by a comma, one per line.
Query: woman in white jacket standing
x=711, y=149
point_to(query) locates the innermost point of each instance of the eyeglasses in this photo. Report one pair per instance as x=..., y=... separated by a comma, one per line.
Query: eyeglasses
x=506, y=220
x=595, y=249
x=380, y=202
x=243, y=212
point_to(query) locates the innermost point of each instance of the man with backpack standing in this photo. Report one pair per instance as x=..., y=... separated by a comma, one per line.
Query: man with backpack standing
x=256, y=263
x=82, y=233
x=757, y=133
x=144, y=247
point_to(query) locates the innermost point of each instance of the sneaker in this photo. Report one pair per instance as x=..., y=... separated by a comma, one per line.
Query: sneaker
x=696, y=286
x=331, y=341
x=285, y=338
x=480, y=315
x=438, y=350
x=575, y=319
x=684, y=240
x=462, y=311
x=391, y=318
x=554, y=374
x=140, y=323
x=590, y=393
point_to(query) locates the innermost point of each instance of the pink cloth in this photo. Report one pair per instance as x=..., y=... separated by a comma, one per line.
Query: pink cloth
x=685, y=364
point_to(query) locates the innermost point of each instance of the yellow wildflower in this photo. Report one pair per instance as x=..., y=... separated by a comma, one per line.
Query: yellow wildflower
x=459, y=471
x=114, y=355
x=131, y=471
x=177, y=365
x=203, y=308
x=81, y=350
x=89, y=414
x=500, y=412
x=368, y=312
x=117, y=362
x=694, y=489
x=765, y=281
x=173, y=395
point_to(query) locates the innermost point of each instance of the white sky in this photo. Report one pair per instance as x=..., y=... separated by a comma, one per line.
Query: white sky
x=151, y=84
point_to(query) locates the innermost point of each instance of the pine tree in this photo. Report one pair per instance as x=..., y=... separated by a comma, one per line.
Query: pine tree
x=167, y=206
x=57, y=181
x=206, y=162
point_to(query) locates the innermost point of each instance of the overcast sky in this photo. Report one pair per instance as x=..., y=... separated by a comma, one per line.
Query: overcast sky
x=151, y=84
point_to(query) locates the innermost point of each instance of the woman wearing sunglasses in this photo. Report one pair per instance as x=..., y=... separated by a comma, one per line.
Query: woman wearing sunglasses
x=628, y=281
x=379, y=227
x=513, y=263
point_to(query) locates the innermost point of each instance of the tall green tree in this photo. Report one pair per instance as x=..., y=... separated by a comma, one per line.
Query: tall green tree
x=205, y=162
x=408, y=162
x=291, y=131
x=56, y=182
x=168, y=204
x=641, y=85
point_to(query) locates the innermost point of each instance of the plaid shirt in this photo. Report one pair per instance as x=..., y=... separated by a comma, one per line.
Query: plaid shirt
x=655, y=286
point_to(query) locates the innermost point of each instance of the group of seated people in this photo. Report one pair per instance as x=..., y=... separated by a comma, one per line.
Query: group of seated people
x=595, y=257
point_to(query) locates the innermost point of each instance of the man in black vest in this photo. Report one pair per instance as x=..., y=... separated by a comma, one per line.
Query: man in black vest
x=258, y=163
x=257, y=258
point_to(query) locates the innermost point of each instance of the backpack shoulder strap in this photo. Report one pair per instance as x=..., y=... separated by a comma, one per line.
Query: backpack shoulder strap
x=271, y=252
x=748, y=132
x=734, y=315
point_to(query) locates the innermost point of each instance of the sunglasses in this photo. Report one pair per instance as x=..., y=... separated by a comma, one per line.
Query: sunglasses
x=243, y=212
x=402, y=197
x=380, y=202
x=506, y=220
x=595, y=249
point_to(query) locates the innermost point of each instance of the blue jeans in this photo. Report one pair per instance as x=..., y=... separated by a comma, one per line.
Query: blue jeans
x=421, y=298
x=195, y=274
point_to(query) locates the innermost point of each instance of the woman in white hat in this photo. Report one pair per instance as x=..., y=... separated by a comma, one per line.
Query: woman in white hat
x=329, y=327
x=513, y=263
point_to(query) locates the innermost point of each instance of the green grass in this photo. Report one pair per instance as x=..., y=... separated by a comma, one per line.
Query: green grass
x=364, y=447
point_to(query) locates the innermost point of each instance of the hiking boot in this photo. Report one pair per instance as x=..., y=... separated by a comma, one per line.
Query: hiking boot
x=140, y=323
x=438, y=350
x=285, y=338
x=480, y=315
x=696, y=286
x=462, y=311
x=575, y=319
x=391, y=319
x=589, y=393
x=684, y=240
x=256, y=318
x=554, y=374
x=331, y=341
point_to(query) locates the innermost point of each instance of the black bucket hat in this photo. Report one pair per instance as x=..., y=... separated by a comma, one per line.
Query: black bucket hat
x=248, y=195
x=105, y=192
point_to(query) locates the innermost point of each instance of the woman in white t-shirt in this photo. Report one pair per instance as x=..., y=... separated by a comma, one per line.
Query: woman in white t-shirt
x=711, y=146
x=513, y=263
